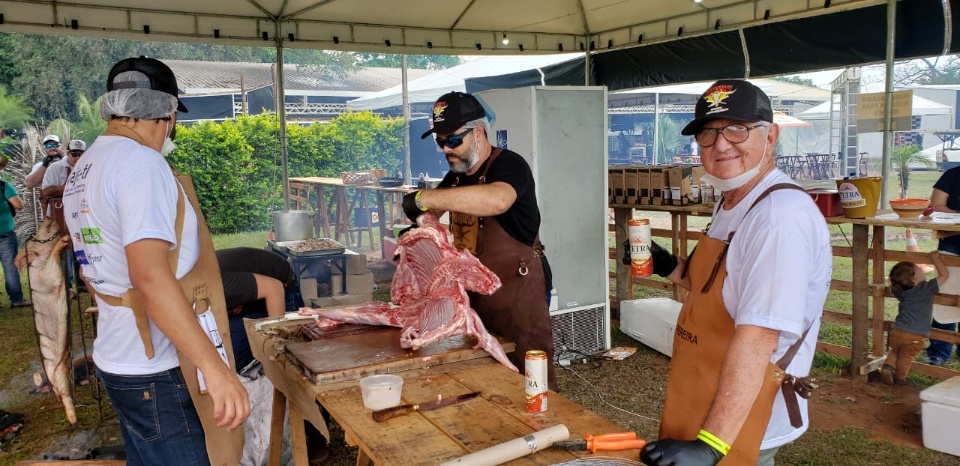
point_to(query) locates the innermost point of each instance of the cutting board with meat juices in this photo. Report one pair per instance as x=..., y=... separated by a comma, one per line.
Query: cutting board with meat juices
x=353, y=357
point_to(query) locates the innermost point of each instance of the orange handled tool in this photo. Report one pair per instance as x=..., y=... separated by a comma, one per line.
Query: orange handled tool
x=606, y=442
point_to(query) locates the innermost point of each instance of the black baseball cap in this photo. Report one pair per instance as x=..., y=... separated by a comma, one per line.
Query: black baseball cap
x=452, y=110
x=730, y=99
x=160, y=75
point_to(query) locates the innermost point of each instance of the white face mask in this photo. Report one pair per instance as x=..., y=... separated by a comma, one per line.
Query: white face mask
x=168, y=145
x=739, y=180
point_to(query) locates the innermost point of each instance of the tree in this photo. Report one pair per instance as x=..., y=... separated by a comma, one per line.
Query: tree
x=90, y=124
x=902, y=158
x=13, y=112
x=795, y=80
x=420, y=62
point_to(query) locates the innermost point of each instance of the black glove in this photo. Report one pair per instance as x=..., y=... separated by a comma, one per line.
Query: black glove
x=404, y=231
x=670, y=452
x=410, y=206
x=48, y=160
x=663, y=261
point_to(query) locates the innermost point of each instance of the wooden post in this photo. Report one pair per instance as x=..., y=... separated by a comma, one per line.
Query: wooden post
x=385, y=226
x=624, y=280
x=861, y=324
x=324, y=219
x=879, y=244
x=276, y=427
x=678, y=223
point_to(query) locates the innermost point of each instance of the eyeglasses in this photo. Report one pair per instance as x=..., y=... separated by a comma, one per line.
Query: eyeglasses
x=76, y=153
x=452, y=142
x=52, y=145
x=734, y=134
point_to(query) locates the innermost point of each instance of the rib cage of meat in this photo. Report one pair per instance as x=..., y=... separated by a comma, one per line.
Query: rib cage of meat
x=429, y=293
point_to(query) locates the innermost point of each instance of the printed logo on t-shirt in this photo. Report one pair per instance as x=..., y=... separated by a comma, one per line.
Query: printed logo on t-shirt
x=84, y=206
x=91, y=235
x=77, y=237
x=81, y=257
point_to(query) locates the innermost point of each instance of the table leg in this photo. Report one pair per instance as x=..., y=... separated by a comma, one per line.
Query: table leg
x=878, y=282
x=861, y=292
x=381, y=212
x=298, y=437
x=363, y=459
x=624, y=280
x=363, y=202
x=276, y=427
x=677, y=235
x=321, y=219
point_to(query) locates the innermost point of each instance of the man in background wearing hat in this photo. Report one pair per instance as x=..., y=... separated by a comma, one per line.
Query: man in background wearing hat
x=145, y=250
x=52, y=188
x=748, y=329
x=492, y=201
x=8, y=240
x=54, y=152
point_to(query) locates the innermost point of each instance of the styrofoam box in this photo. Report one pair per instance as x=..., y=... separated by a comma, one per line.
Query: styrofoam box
x=651, y=321
x=940, y=414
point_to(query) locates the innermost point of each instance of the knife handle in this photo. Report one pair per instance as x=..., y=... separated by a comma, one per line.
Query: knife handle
x=615, y=445
x=396, y=411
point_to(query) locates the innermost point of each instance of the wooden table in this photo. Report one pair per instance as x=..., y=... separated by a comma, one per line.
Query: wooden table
x=334, y=200
x=497, y=416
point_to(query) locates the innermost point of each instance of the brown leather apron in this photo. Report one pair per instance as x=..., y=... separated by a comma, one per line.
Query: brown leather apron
x=203, y=288
x=518, y=310
x=703, y=334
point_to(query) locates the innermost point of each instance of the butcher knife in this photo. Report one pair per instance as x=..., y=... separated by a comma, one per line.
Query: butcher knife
x=396, y=411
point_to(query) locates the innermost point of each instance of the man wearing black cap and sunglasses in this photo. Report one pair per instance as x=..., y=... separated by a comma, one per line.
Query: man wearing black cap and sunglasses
x=163, y=348
x=758, y=279
x=492, y=201
x=53, y=151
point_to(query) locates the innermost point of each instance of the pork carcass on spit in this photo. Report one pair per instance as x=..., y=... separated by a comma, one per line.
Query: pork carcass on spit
x=51, y=316
x=429, y=293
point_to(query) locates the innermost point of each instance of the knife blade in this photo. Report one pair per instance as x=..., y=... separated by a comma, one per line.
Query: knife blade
x=396, y=411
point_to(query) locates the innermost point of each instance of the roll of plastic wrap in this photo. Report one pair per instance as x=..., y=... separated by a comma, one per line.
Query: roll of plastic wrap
x=516, y=448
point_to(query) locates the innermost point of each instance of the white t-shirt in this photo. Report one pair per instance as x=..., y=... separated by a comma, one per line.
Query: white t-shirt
x=121, y=192
x=779, y=268
x=56, y=174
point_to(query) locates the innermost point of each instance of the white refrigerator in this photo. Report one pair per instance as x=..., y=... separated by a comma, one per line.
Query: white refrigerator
x=561, y=132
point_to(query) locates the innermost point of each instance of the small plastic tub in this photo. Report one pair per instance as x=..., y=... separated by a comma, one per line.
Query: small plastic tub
x=381, y=391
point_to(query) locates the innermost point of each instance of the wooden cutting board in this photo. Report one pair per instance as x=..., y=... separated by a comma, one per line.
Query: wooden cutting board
x=353, y=357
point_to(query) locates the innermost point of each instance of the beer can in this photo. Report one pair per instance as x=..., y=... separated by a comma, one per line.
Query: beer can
x=641, y=264
x=535, y=381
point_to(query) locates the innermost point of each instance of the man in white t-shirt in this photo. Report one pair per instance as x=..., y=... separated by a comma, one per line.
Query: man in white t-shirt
x=53, y=152
x=747, y=333
x=122, y=202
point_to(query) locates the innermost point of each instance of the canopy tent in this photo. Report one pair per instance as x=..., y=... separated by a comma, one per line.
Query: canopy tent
x=428, y=88
x=646, y=43
x=920, y=106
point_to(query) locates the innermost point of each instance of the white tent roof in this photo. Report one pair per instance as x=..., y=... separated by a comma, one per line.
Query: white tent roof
x=921, y=106
x=432, y=86
x=408, y=26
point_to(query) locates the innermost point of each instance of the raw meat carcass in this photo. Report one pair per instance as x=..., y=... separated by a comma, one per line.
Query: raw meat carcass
x=429, y=293
x=50, y=312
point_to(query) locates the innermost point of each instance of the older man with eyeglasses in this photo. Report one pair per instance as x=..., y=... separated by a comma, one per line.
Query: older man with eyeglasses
x=53, y=151
x=492, y=201
x=758, y=279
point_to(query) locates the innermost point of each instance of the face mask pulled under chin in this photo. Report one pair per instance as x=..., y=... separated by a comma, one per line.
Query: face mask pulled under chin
x=737, y=181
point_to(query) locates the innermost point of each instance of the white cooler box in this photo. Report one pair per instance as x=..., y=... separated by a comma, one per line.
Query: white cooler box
x=651, y=321
x=940, y=414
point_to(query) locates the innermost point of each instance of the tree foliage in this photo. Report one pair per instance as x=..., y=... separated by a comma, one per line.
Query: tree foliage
x=902, y=158
x=420, y=62
x=236, y=166
x=795, y=80
x=14, y=114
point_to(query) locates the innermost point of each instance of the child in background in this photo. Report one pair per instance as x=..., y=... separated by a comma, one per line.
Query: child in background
x=910, y=286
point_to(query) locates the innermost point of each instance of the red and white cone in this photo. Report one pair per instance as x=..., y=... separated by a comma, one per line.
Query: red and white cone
x=913, y=247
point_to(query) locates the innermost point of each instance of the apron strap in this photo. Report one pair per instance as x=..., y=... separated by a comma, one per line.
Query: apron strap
x=129, y=298
x=793, y=386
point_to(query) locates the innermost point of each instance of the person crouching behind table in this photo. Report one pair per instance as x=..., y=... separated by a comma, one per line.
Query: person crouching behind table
x=758, y=279
x=492, y=201
x=914, y=294
x=146, y=254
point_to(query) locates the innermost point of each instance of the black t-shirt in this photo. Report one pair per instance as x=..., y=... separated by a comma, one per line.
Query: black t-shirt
x=522, y=220
x=949, y=183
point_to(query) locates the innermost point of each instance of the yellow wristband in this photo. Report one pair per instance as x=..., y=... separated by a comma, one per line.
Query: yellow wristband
x=714, y=442
x=416, y=199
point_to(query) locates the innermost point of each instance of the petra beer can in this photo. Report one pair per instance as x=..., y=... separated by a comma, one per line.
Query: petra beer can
x=535, y=381
x=641, y=264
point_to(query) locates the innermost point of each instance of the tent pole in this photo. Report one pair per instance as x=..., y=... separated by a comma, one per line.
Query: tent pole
x=656, y=129
x=406, y=121
x=888, y=102
x=282, y=115
x=586, y=67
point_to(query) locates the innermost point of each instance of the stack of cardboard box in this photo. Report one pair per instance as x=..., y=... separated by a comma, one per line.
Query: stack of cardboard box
x=678, y=185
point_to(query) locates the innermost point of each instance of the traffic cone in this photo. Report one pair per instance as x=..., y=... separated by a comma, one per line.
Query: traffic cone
x=913, y=247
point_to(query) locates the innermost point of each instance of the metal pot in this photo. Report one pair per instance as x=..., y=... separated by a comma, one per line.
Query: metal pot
x=428, y=183
x=292, y=225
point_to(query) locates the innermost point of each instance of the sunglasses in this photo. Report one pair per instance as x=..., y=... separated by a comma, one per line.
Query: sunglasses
x=76, y=153
x=52, y=145
x=452, y=142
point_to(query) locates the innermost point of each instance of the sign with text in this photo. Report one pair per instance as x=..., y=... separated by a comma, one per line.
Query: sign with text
x=871, y=107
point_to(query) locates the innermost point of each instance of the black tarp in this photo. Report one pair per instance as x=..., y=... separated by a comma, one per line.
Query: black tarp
x=260, y=101
x=207, y=107
x=568, y=73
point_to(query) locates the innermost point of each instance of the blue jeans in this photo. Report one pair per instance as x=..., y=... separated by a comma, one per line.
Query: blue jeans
x=941, y=349
x=160, y=426
x=11, y=276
